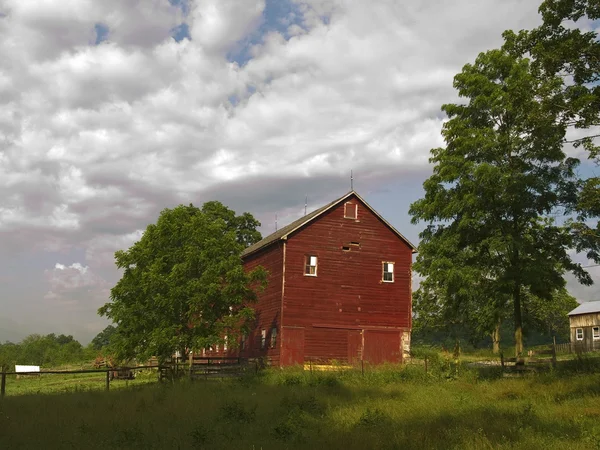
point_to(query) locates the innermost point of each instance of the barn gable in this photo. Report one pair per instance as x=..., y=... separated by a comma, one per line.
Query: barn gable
x=285, y=232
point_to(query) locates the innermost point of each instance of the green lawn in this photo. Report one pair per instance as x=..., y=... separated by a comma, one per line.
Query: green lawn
x=388, y=408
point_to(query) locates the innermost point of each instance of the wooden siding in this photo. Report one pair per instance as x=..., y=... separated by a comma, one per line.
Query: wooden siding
x=268, y=307
x=348, y=291
x=585, y=320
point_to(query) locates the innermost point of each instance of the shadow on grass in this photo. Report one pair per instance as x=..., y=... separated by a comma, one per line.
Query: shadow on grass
x=293, y=409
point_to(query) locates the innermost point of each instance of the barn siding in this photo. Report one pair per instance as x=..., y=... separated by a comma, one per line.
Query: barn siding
x=585, y=320
x=348, y=289
x=268, y=307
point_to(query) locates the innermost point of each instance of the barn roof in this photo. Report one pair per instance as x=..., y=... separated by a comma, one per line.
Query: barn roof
x=586, y=308
x=284, y=232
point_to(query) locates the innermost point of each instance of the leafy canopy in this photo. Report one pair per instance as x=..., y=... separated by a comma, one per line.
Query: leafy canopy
x=495, y=188
x=183, y=285
x=103, y=338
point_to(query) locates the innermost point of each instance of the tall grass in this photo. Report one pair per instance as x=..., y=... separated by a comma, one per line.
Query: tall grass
x=386, y=408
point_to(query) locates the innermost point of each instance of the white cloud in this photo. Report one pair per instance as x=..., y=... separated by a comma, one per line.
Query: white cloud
x=96, y=140
x=72, y=285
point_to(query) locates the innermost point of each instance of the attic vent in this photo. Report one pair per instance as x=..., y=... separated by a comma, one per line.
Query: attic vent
x=350, y=210
x=354, y=243
x=346, y=248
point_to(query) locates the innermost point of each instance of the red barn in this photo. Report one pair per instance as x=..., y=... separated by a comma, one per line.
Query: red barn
x=339, y=288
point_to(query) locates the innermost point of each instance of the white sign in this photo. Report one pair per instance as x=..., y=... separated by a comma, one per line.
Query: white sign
x=27, y=368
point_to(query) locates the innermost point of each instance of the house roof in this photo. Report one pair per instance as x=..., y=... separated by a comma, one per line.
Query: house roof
x=586, y=308
x=284, y=232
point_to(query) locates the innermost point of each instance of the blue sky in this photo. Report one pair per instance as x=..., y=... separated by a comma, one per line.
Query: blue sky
x=115, y=110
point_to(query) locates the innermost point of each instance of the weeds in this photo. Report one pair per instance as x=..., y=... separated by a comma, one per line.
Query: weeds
x=386, y=408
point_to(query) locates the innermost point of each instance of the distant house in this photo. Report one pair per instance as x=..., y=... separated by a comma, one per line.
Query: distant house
x=585, y=326
x=339, y=289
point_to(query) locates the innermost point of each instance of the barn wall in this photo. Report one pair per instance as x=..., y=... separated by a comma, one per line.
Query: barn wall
x=348, y=290
x=268, y=307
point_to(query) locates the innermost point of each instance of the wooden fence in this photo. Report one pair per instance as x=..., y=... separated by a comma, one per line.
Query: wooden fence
x=578, y=347
x=195, y=369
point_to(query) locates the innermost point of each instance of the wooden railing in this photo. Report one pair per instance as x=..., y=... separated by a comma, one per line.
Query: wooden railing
x=197, y=368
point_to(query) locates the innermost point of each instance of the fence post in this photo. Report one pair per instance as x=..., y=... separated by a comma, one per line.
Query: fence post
x=107, y=380
x=554, y=352
x=3, y=383
x=502, y=360
x=362, y=367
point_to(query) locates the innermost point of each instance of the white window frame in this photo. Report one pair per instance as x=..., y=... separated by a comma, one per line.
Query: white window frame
x=310, y=270
x=596, y=333
x=383, y=271
x=351, y=204
x=577, y=331
x=244, y=340
x=263, y=339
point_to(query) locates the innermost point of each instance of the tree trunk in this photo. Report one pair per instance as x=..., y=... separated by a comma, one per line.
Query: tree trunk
x=496, y=338
x=518, y=321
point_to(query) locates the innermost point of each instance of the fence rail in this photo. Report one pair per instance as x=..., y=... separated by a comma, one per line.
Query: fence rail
x=578, y=347
x=213, y=367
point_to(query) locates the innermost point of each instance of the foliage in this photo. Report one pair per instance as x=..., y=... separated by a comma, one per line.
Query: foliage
x=183, y=285
x=437, y=323
x=551, y=316
x=103, y=338
x=46, y=351
x=495, y=186
x=566, y=45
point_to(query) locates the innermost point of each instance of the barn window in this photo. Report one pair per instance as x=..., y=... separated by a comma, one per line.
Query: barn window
x=310, y=266
x=225, y=345
x=596, y=333
x=273, y=337
x=263, y=338
x=579, y=334
x=388, y=272
x=350, y=210
x=244, y=340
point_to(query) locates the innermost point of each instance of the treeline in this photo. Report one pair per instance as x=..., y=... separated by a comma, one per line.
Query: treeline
x=46, y=351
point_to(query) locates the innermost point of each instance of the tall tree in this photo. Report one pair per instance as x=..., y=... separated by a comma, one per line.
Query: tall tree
x=495, y=186
x=566, y=45
x=183, y=285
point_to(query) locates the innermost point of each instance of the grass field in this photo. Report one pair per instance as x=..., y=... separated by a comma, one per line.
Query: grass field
x=388, y=408
x=66, y=383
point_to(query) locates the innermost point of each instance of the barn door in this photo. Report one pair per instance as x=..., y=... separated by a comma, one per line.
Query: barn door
x=382, y=346
x=292, y=346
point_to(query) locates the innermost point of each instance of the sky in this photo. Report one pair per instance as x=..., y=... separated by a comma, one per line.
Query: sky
x=114, y=110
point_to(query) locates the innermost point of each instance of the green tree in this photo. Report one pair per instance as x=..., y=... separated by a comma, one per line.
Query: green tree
x=184, y=286
x=496, y=185
x=566, y=46
x=244, y=226
x=103, y=338
x=9, y=355
x=471, y=315
x=550, y=317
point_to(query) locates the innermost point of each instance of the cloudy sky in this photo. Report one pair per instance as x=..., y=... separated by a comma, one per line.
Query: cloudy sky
x=113, y=110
